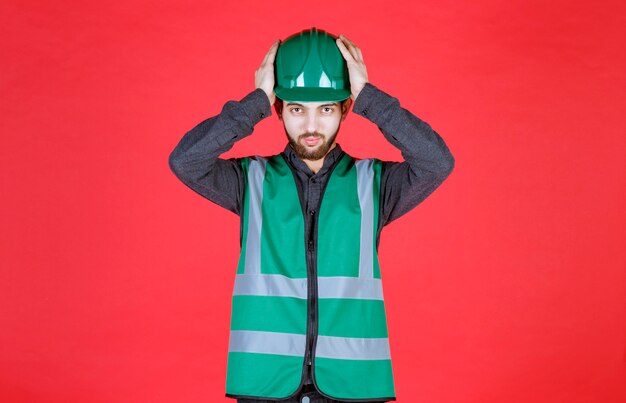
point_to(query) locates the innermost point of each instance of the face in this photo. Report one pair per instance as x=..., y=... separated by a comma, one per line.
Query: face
x=312, y=127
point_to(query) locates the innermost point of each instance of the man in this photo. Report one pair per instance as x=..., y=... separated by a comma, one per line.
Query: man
x=308, y=319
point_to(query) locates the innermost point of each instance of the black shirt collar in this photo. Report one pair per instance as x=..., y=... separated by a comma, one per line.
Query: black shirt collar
x=333, y=156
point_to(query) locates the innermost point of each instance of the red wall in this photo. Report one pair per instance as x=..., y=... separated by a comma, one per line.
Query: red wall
x=507, y=285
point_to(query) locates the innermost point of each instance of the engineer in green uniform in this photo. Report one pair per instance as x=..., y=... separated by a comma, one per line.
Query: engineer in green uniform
x=308, y=317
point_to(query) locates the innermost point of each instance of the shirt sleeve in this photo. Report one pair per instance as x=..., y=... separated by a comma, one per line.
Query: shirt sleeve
x=427, y=159
x=195, y=160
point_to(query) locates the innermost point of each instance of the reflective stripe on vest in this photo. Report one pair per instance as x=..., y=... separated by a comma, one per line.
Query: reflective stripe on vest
x=269, y=318
x=345, y=348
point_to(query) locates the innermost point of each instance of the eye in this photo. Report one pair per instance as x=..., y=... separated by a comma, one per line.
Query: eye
x=328, y=109
x=295, y=109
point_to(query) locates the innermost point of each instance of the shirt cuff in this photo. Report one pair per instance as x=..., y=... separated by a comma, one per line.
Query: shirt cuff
x=372, y=103
x=256, y=105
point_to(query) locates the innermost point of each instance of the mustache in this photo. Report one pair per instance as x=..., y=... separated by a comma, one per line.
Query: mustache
x=314, y=134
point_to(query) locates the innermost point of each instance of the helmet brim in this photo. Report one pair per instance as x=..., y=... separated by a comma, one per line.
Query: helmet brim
x=303, y=94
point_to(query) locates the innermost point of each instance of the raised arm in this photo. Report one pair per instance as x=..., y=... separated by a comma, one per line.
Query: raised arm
x=428, y=161
x=195, y=160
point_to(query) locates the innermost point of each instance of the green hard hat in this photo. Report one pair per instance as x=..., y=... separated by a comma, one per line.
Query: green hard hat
x=310, y=68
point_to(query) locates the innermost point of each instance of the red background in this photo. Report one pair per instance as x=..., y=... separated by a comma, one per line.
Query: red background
x=507, y=285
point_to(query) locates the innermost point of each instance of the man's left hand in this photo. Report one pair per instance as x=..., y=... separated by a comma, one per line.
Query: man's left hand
x=356, y=66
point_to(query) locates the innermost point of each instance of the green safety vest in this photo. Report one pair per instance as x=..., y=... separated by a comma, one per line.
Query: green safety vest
x=351, y=358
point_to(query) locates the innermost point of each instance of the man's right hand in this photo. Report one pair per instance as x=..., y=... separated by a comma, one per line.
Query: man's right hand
x=264, y=75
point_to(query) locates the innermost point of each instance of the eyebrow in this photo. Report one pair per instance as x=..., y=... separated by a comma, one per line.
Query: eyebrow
x=297, y=104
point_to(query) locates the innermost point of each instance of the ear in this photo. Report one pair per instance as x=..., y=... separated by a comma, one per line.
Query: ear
x=278, y=107
x=345, y=108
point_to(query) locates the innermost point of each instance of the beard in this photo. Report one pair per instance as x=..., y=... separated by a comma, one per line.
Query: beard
x=305, y=153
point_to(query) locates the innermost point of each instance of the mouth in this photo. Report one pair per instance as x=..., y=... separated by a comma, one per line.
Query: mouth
x=312, y=140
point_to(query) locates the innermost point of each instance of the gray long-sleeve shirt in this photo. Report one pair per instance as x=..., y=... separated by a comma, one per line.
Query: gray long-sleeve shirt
x=428, y=162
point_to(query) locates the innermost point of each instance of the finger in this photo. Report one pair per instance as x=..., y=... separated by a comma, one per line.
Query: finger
x=345, y=38
x=266, y=55
x=357, y=53
x=344, y=51
x=360, y=54
x=273, y=50
x=348, y=40
x=350, y=46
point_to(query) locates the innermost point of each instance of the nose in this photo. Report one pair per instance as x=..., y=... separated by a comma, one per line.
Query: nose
x=311, y=123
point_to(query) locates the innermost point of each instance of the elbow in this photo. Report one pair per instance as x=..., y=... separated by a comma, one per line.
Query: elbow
x=176, y=163
x=450, y=165
x=446, y=166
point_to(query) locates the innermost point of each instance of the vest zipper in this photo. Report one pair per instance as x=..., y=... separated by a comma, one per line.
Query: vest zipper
x=311, y=263
x=312, y=285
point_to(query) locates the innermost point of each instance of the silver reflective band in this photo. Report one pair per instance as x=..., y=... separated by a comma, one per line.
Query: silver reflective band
x=270, y=285
x=365, y=187
x=276, y=285
x=353, y=348
x=248, y=341
x=341, y=348
x=350, y=287
x=256, y=175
